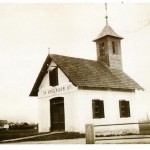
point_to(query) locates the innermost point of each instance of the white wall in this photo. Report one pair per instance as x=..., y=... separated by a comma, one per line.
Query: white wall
x=69, y=107
x=78, y=111
x=69, y=103
x=70, y=111
x=78, y=108
x=44, y=115
x=141, y=109
x=111, y=108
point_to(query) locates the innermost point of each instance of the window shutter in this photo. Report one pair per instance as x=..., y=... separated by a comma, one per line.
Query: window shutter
x=120, y=108
x=127, y=109
x=98, y=108
x=49, y=78
x=101, y=107
x=53, y=76
x=124, y=108
x=56, y=76
x=93, y=108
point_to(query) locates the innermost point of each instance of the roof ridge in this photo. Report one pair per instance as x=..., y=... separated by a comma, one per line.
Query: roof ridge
x=73, y=57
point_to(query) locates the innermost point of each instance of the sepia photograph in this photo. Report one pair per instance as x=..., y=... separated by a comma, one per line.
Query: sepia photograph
x=74, y=73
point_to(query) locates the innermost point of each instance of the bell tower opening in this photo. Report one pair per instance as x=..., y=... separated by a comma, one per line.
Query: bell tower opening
x=102, y=48
x=108, y=45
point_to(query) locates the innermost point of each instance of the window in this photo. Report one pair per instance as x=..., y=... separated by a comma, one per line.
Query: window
x=102, y=48
x=98, y=109
x=53, y=77
x=124, y=108
x=114, y=50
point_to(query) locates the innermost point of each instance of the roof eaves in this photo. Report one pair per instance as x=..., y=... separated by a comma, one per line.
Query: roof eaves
x=38, y=81
x=100, y=37
x=136, y=85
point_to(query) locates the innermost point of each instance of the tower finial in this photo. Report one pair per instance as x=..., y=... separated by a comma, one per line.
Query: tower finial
x=49, y=50
x=106, y=14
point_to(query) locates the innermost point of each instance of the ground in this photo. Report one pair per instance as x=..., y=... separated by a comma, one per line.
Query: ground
x=32, y=136
x=145, y=140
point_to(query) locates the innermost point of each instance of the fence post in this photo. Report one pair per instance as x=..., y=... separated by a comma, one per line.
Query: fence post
x=89, y=134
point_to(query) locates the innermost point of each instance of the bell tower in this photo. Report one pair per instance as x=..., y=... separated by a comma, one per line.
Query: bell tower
x=108, y=45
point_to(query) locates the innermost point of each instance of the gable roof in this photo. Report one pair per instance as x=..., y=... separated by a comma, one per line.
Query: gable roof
x=87, y=73
x=107, y=30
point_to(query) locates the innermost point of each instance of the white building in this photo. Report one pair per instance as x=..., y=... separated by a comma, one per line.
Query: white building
x=6, y=126
x=74, y=91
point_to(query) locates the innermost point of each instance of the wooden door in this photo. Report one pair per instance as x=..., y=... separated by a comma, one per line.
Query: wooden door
x=57, y=114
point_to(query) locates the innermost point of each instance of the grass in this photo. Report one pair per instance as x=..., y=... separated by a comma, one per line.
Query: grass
x=57, y=136
x=12, y=134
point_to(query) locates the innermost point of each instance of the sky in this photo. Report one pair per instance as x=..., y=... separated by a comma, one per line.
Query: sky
x=28, y=30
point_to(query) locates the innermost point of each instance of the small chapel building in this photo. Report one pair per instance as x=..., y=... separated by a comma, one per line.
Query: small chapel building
x=73, y=92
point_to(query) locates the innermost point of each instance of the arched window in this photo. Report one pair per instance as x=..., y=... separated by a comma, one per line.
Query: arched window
x=102, y=48
x=114, y=47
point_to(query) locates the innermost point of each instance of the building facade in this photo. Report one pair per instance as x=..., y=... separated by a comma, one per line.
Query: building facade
x=73, y=92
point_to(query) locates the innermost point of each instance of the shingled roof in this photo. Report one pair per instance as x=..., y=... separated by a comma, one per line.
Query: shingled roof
x=87, y=74
x=107, y=30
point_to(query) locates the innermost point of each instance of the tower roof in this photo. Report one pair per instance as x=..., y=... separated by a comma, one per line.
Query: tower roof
x=108, y=31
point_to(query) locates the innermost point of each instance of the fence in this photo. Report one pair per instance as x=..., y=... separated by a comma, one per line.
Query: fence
x=90, y=131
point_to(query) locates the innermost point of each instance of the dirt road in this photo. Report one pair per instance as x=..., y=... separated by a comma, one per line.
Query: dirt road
x=138, y=140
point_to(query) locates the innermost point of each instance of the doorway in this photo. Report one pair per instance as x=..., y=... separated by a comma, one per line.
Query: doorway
x=57, y=114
